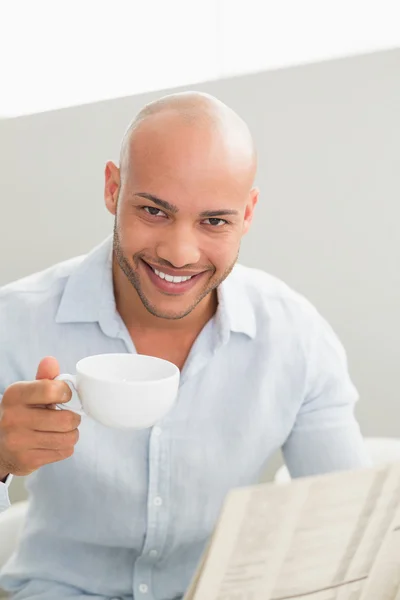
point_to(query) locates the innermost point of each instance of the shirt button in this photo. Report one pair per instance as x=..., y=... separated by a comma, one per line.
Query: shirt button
x=157, y=430
x=153, y=553
x=143, y=588
x=157, y=501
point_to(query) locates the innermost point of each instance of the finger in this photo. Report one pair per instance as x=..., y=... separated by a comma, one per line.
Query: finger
x=35, y=459
x=54, y=441
x=48, y=368
x=45, y=392
x=60, y=421
x=39, y=419
x=23, y=440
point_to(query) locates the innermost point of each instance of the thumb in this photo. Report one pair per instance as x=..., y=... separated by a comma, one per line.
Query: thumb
x=48, y=368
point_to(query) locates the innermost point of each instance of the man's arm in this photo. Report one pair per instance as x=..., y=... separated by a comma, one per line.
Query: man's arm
x=5, y=481
x=326, y=436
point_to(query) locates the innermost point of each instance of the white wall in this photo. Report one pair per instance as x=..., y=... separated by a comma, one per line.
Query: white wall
x=328, y=136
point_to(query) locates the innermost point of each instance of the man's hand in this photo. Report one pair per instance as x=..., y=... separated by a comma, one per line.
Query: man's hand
x=31, y=434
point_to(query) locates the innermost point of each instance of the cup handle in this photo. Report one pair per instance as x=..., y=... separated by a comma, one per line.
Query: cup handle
x=75, y=403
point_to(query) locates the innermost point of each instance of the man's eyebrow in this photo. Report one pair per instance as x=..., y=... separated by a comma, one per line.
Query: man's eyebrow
x=163, y=203
x=206, y=214
x=209, y=214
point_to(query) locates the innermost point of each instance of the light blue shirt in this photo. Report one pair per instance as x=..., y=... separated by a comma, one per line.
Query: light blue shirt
x=129, y=514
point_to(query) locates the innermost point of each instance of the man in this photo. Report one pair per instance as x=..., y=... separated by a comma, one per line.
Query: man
x=127, y=514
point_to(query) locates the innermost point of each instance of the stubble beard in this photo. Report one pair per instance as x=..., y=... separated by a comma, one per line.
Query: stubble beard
x=134, y=280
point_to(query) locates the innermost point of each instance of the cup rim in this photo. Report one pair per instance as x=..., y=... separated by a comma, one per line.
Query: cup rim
x=174, y=373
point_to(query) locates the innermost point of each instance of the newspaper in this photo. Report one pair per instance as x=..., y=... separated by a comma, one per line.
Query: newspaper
x=333, y=537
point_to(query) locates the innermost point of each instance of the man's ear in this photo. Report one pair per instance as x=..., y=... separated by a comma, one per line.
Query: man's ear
x=251, y=204
x=111, y=186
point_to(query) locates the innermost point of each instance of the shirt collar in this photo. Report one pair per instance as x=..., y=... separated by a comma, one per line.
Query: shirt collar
x=89, y=290
x=236, y=311
x=89, y=296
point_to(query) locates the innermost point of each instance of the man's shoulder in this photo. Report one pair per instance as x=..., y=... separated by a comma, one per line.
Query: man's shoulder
x=277, y=308
x=41, y=287
x=266, y=291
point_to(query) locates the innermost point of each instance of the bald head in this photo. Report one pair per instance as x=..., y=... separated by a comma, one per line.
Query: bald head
x=182, y=198
x=200, y=115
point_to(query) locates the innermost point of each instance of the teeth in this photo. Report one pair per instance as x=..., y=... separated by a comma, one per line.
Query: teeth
x=170, y=278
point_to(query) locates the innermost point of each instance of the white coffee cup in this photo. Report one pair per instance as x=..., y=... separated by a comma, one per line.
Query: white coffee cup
x=127, y=391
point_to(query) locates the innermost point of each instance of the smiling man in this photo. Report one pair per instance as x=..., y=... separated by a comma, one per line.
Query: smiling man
x=124, y=514
x=183, y=197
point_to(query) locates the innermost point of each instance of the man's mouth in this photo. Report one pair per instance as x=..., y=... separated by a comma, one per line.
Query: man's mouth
x=171, y=284
x=172, y=278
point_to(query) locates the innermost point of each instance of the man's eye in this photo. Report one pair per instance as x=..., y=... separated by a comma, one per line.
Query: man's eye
x=215, y=222
x=153, y=211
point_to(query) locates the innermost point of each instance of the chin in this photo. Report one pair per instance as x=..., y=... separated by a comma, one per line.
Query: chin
x=169, y=315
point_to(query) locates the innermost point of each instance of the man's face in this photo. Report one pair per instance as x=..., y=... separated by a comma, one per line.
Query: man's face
x=181, y=209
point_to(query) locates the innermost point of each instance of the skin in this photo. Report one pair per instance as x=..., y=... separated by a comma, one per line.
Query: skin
x=182, y=198
x=195, y=154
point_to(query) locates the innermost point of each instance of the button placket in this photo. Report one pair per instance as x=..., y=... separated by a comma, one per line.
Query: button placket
x=157, y=522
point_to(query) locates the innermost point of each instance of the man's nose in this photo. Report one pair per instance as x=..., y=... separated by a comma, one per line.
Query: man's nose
x=179, y=247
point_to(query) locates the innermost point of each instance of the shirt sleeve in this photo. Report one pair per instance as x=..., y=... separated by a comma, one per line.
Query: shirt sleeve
x=4, y=498
x=9, y=373
x=325, y=436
